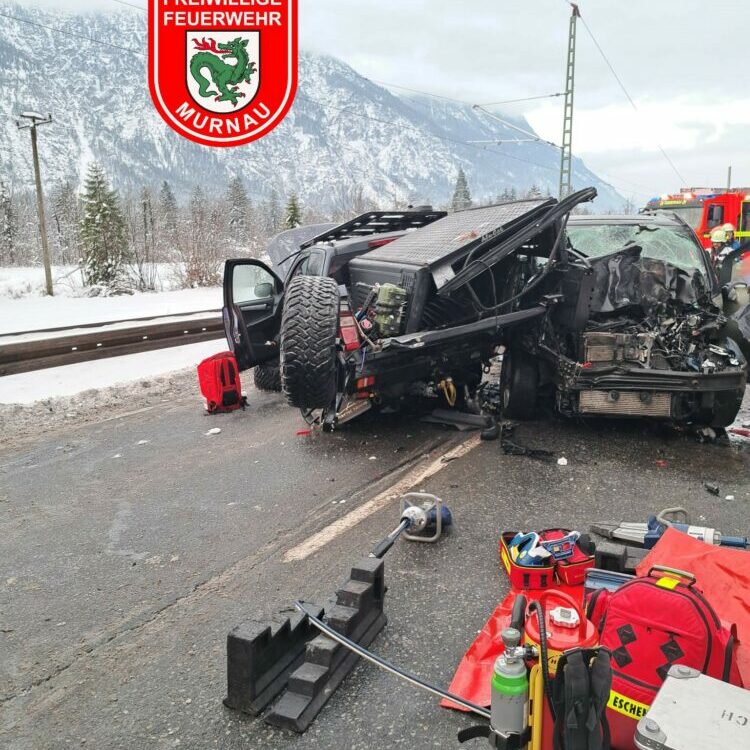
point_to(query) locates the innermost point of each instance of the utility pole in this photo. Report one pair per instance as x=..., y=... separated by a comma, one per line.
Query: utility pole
x=34, y=120
x=566, y=159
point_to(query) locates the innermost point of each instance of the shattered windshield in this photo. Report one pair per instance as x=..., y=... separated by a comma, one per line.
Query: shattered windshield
x=669, y=244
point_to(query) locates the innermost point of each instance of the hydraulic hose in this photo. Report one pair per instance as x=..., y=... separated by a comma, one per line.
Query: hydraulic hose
x=538, y=608
x=378, y=661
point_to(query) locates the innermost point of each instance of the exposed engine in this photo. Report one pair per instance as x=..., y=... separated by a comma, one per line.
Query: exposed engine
x=652, y=314
x=648, y=320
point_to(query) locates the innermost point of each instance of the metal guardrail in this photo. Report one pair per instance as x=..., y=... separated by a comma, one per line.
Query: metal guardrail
x=38, y=354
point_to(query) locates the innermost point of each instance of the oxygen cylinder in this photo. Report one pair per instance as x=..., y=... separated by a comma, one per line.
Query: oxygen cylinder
x=510, y=689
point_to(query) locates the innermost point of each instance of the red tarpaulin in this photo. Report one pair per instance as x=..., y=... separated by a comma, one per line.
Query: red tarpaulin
x=474, y=674
x=721, y=573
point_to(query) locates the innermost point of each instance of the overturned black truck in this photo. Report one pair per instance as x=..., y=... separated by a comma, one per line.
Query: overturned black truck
x=619, y=316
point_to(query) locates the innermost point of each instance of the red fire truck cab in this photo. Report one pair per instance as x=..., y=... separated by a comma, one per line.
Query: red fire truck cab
x=705, y=209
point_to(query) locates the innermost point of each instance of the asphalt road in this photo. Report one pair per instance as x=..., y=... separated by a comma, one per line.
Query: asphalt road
x=125, y=563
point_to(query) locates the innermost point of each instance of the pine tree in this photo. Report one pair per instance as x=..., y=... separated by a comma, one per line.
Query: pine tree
x=65, y=221
x=167, y=207
x=293, y=212
x=103, y=239
x=237, y=213
x=273, y=220
x=238, y=207
x=8, y=226
x=534, y=191
x=461, y=195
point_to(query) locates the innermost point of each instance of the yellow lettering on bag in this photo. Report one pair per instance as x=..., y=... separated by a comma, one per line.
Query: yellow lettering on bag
x=626, y=706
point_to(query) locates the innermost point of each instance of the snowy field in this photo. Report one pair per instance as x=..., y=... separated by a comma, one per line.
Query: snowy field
x=23, y=307
x=18, y=282
x=22, y=311
x=57, y=382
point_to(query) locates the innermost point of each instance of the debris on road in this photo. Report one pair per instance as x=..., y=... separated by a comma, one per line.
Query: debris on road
x=214, y=431
x=562, y=461
x=712, y=487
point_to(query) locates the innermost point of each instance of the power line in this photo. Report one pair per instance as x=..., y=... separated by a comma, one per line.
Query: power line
x=458, y=101
x=130, y=5
x=70, y=33
x=418, y=91
x=525, y=99
x=627, y=93
x=424, y=132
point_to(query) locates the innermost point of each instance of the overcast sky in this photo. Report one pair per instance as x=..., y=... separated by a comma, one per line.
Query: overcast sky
x=682, y=61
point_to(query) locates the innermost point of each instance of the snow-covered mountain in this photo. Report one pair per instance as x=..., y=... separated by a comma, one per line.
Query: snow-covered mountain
x=344, y=134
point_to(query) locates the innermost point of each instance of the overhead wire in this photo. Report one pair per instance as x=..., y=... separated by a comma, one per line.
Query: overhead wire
x=425, y=132
x=625, y=91
x=130, y=5
x=69, y=33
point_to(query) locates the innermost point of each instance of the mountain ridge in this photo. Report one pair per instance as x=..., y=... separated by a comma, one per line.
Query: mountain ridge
x=344, y=136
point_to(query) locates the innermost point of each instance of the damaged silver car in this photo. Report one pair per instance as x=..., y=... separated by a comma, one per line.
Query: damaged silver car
x=641, y=330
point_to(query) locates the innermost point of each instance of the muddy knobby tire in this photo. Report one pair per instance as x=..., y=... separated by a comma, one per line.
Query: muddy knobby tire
x=267, y=377
x=309, y=327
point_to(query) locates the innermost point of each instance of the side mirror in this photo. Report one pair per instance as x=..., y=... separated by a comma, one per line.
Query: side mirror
x=264, y=290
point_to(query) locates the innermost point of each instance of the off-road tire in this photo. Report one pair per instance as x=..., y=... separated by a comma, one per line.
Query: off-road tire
x=309, y=326
x=519, y=383
x=267, y=377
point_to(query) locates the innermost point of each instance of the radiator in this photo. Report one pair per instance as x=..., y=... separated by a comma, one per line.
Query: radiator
x=627, y=403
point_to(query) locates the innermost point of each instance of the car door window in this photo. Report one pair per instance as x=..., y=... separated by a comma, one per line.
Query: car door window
x=252, y=284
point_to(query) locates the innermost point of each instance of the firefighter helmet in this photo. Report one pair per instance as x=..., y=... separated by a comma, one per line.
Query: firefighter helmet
x=718, y=235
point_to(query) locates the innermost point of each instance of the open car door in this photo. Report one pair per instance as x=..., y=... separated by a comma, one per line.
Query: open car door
x=253, y=296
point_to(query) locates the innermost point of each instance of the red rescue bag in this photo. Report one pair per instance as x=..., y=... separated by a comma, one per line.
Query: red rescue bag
x=219, y=380
x=649, y=624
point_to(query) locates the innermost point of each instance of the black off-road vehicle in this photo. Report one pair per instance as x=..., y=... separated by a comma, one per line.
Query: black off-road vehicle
x=397, y=305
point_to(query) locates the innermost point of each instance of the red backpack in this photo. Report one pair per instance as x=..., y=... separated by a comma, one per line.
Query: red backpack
x=649, y=624
x=219, y=380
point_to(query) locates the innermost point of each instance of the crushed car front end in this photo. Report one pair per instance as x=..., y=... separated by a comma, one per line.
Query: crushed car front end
x=649, y=336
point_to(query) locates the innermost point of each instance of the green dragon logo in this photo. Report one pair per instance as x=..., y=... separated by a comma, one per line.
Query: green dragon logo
x=223, y=80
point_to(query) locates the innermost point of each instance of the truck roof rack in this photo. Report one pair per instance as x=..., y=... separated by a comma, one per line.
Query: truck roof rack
x=378, y=222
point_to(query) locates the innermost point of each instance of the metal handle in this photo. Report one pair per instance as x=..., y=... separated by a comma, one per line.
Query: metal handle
x=438, y=503
x=518, y=613
x=561, y=596
x=674, y=571
x=661, y=516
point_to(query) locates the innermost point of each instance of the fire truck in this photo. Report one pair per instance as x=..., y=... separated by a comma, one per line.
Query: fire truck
x=705, y=209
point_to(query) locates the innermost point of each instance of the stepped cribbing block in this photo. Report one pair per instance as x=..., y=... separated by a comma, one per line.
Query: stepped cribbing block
x=357, y=614
x=260, y=661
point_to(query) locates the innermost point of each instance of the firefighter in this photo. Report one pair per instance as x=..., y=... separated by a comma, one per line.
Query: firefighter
x=718, y=244
x=732, y=241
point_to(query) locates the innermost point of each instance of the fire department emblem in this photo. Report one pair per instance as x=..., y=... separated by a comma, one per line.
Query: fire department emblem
x=223, y=72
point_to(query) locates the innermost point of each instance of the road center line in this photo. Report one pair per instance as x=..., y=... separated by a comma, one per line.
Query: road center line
x=413, y=478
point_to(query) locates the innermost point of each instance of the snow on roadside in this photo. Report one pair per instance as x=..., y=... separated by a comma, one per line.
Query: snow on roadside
x=42, y=385
x=18, y=282
x=31, y=313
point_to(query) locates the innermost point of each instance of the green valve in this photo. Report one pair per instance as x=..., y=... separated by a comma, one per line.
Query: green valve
x=389, y=309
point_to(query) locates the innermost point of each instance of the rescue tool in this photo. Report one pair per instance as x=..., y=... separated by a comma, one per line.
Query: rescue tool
x=418, y=523
x=648, y=534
